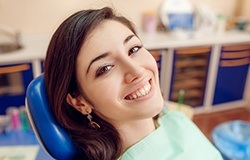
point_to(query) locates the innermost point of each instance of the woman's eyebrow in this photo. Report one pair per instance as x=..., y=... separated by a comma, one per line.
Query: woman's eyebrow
x=128, y=38
x=96, y=59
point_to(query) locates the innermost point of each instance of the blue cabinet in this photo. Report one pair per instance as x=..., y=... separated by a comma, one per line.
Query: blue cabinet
x=232, y=73
x=14, y=80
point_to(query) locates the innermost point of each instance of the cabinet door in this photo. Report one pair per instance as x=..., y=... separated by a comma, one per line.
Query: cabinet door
x=232, y=73
x=14, y=80
x=190, y=74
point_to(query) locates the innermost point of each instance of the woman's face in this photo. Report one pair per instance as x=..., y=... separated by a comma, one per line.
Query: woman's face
x=118, y=75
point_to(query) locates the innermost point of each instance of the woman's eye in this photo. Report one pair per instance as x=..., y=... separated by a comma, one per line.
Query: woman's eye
x=134, y=50
x=103, y=70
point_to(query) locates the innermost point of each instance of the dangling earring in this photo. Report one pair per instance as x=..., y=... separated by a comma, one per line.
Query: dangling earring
x=92, y=124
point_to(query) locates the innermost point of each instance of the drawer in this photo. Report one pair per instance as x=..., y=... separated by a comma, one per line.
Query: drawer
x=194, y=63
x=187, y=75
x=189, y=94
x=188, y=83
x=12, y=69
x=236, y=47
x=206, y=49
x=237, y=54
x=233, y=63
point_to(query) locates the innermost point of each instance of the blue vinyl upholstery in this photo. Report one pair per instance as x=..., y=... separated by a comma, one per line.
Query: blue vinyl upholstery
x=53, y=138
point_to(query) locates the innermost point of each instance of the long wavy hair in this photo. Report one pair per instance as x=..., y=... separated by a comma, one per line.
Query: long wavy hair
x=60, y=79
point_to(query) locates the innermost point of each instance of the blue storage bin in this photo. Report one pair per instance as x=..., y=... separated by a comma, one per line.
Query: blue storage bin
x=232, y=139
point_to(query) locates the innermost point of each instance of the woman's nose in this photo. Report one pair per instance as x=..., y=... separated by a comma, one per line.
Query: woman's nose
x=133, y=71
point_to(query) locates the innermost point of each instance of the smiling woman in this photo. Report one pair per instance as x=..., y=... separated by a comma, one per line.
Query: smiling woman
x=103, y=88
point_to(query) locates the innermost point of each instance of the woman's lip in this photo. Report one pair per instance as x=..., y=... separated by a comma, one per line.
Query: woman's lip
x=138, y=88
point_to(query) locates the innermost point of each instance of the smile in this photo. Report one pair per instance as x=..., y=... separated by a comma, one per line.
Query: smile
x=139, y=93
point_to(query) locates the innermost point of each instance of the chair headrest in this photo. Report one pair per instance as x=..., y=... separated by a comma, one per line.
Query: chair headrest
x=50, y=133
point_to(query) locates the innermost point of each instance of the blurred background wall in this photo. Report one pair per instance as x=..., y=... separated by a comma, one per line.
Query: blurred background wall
x=44, y=16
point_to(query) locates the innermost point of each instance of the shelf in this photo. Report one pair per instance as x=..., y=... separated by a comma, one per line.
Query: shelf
x=189, y=74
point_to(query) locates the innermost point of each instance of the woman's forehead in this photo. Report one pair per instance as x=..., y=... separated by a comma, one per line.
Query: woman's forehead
x=103, y=38
x=106, y=35
x=109, y=28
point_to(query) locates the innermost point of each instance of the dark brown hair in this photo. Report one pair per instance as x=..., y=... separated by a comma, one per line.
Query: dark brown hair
x=60, y=79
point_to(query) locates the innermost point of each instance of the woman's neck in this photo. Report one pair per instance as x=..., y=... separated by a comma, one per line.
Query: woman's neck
x=135, y=131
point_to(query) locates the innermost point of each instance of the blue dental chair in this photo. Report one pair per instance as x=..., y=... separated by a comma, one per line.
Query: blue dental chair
x=52, y=137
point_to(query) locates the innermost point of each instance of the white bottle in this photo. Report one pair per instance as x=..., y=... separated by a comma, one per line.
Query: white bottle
x=221, y=24
x=177, y=14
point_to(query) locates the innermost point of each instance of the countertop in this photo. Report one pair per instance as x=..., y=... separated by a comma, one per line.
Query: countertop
x=174, y=40
x=34, y=47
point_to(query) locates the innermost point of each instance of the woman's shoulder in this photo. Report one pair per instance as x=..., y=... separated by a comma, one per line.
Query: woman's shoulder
x=177, y=137
x=182, y=131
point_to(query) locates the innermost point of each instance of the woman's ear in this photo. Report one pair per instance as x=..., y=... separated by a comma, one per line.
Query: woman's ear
x=78, y=104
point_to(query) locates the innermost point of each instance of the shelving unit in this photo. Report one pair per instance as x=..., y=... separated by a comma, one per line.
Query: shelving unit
x=198, y=73
x=190, y=74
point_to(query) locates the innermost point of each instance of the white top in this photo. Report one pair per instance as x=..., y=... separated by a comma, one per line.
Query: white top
x=176, y=138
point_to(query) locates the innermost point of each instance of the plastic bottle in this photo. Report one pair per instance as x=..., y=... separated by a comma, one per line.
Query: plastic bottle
x=13, y=113
x=25, y=125
x=177, y=14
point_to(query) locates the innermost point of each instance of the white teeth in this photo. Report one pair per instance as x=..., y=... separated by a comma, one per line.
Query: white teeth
x=140, y=93
x=133, y=96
